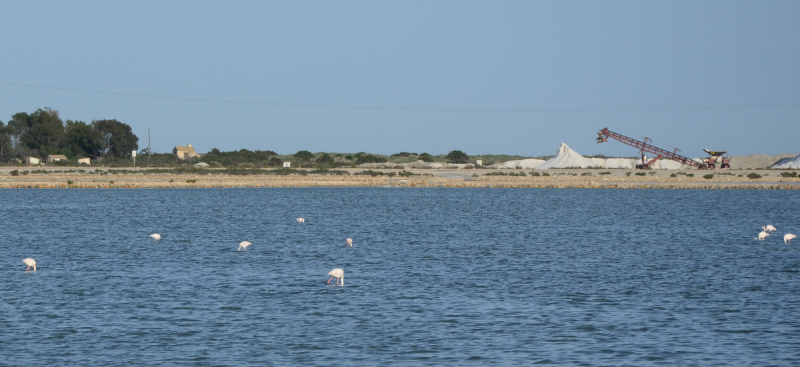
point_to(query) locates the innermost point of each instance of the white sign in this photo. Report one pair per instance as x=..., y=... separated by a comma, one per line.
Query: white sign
x=133, y=153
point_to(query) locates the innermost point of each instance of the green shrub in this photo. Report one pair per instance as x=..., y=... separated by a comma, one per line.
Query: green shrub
x=586, y=174
x=640, y=174
x=69, y=182
x=368, y=158
x=457, y=156
x=304, y=155
x=604, y=173
x=325, y=158
x=545, y=174
x=369, y=173
x=690, y=175
x=708, y=176
x=788, y=174
x=191, y=181
x=15, y=172
x=275, y=162
x=425, y=157
x=673, y=175
x=753, y=175
x=628, y=174
x=403, y=154
x=535, y=174
x=111, y=182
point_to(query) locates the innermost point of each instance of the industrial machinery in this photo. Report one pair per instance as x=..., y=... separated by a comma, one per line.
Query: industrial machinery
x=717, y=156
x=644, y=147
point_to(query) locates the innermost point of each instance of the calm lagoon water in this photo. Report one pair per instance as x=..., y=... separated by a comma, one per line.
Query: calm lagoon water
x=469, y=277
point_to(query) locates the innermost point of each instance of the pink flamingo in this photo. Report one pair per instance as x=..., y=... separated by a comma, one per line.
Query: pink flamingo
x=301, y=220
x=769, y=228
x=762, y=235
x=243, y=245
x=155, y=236
x=349, y=242
x=30, y=262
x=338, y=274
x=788, y=238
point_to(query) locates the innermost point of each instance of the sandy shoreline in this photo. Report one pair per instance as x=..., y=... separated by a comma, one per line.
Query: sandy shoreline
x=565, y=178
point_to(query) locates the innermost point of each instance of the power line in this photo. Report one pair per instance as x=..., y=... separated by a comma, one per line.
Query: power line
x=424, y=109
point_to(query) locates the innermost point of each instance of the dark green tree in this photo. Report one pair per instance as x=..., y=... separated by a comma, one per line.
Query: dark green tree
x=82, y=139
x=46, y=133
x=457, y=156
x=117, y=139
x=275, y=162
x=4, y=138
x=17, y=127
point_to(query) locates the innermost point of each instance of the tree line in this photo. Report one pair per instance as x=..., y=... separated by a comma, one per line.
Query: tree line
x=43, y=132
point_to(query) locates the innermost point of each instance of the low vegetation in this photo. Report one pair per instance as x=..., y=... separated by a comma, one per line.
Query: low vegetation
x=753, y=176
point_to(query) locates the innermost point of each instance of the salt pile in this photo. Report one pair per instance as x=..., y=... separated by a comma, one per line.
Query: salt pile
x=669, y=164
x=788, y=163
x=567, y=158
x=524, y=163
x=621, y=163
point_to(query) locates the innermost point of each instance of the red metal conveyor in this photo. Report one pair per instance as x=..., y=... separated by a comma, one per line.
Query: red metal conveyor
x=603, y=135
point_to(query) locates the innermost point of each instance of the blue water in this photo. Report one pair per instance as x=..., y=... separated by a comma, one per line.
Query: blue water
x=468, y=277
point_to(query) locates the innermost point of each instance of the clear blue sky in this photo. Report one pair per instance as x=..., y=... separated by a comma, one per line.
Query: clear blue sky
x=484, y=77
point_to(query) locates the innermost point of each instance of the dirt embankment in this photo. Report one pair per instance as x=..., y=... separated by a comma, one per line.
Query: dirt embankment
x=474, y=178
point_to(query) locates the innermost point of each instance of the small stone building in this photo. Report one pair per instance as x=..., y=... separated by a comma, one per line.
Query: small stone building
x=185, y=152
x=287, y=164
x=32, y=161
x=56, y=158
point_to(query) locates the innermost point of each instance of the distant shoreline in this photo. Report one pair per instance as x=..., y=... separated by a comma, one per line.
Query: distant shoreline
x=451, y=178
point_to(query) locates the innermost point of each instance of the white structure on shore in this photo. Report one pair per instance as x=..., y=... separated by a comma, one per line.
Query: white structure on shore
x=185, y=152
x=56, y=158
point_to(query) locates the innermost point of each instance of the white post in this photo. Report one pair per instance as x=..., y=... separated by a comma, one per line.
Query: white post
x=133, y=153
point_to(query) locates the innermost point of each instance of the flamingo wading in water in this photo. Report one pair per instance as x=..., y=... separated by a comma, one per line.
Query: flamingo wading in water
x=30, y=262
x=301, y=220
x=787, y=238
x=338, y=274
x=769, y=228
x=762, y=235
x=349, y=242
x=243, y=245
x=155, y=236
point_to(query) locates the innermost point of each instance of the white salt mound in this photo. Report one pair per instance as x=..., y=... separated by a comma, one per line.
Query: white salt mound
x=621, y=163
x=524, y=163
x=669, y=164
x=788, y=163
x=567, y=158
